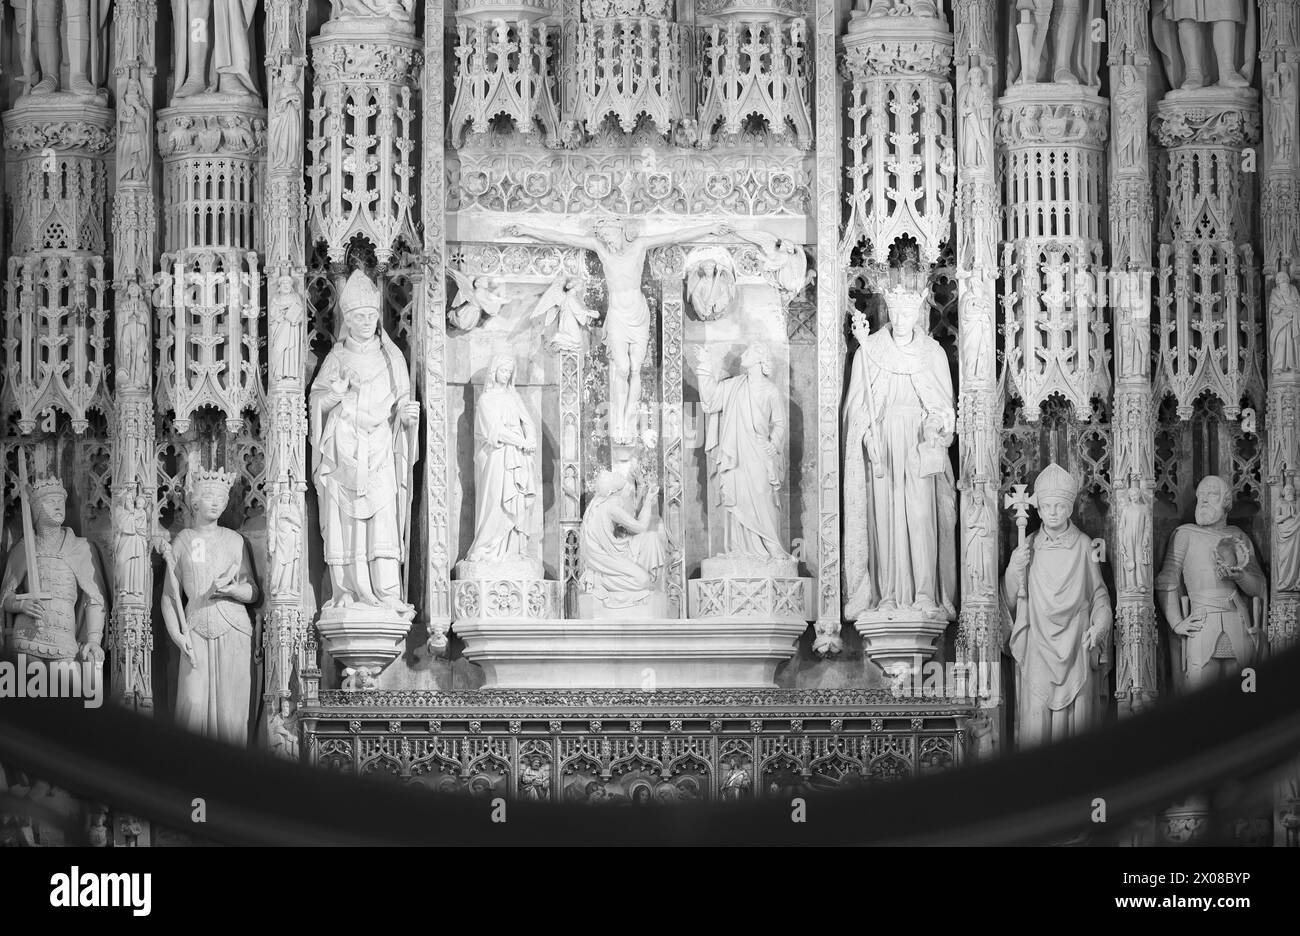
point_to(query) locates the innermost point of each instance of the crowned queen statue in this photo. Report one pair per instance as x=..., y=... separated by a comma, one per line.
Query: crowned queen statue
x=364, y=425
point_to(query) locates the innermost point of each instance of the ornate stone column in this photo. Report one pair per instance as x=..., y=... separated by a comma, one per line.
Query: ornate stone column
x=832, y=292
x=288, y=641
x=134, y=226
x=1207, y=281
x=1128, y=290
x=1279, y=210
x=431, y=339
x=979, y=408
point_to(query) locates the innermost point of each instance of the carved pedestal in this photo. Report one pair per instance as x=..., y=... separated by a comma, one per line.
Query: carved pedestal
x=363, y=638
x=738, y=589
x=504, y=591
x=894, y=640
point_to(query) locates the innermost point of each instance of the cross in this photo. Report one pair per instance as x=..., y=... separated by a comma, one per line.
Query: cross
x=1019, y=501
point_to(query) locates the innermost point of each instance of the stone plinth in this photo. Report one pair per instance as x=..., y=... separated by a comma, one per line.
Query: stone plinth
x=363, y=637
x=893, y=640
x=652, y=653
x=511, y=589
x=750, y=589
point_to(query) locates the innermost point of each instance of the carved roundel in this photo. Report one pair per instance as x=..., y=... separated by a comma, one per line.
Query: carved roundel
x=718, y=185
x=537, y=184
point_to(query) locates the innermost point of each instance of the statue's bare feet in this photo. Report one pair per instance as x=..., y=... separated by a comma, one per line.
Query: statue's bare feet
x=1233, y=80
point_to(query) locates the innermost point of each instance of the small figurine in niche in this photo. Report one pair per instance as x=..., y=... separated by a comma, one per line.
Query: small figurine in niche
x=505, y=488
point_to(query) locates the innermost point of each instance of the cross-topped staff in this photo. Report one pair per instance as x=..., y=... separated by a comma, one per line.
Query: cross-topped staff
x=1019, y=501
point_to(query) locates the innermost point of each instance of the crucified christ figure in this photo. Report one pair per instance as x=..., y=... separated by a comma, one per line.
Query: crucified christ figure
x=627, y=321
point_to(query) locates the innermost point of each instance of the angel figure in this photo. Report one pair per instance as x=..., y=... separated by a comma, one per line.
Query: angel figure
x=710, y=283
x=785, y=264
x=561, y=306
x=476, y=297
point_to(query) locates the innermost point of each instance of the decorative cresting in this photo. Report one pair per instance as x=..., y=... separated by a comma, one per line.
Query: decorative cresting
x=504, y=68
x=1052, y=140
x=903, y=165
x=753, y=58
x=629, y=64
x=361, y=165
x=55, y=316
x=208, y=308
x=1207, y=274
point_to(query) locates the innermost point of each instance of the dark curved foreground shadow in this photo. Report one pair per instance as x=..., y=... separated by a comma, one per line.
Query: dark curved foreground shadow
x=1219, y=736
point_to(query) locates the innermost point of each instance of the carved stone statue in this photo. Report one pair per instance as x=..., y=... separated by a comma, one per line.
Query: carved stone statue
x=900, y=511
x=614, y=570
x=505, y=486
x=43, y=26
x=736, y=784
x=133, y=133
x=400, y=11
x=562, y=307
x=135, y=336
x=476, y=298
x=975, y=110
x=1286, y=539
x=1207, y=590
x=1061, y=620
x=1134, y=534
x=213, y=45
x=981, y=526
x=363, y=430
x=1131, y=146
x=1179, y=27
x=211, y=566
x=535, y=780
x=285, y=127
x=1282, y=114
x=880, y=8
x=286, y=317
x=627, y=320
x=64, y=618
x=1074, y=56
x=285, y=524
x=130, y=543
x=745, y=434
x=1284, y=324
